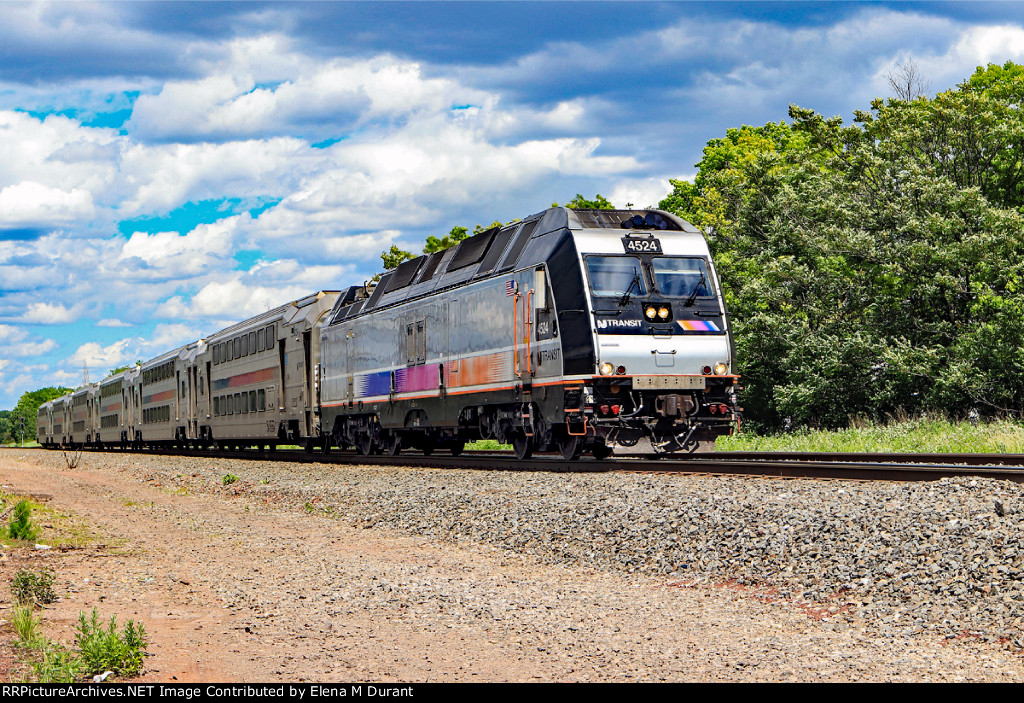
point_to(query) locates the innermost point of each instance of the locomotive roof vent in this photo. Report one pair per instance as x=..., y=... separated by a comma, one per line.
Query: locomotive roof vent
x=626, y=219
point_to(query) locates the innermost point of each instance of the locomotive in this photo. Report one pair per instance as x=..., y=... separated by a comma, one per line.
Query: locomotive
x=573, y=331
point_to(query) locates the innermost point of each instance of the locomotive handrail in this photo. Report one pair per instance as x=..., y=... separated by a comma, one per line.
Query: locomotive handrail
x=515, y=334
x=528, y=328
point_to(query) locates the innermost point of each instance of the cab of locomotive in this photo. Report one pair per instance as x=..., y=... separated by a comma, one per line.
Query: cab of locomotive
x=663, y=352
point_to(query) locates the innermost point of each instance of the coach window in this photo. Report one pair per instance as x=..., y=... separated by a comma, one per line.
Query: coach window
x=216, y=406
x=261, y=399
x=244, y=400
x=252, y=342
x=261, y=340
x=271, y=337
x=238, y=347
x=252, y=401
x=245, y=345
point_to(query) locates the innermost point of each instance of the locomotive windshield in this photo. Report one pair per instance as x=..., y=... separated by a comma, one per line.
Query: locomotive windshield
x=616, y=275
x=680, y=278
x=673, y=276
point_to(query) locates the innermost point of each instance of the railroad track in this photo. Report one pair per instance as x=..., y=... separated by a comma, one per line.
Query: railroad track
x=837, y=465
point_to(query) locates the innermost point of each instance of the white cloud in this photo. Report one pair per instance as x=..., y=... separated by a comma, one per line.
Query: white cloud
x=111, y=322
x=230, y=299
x=974, y=46
x=32, y=348
x=47, y=314
x=641, y=192
x=169, y=254
x=29, y=203
x=96, y=356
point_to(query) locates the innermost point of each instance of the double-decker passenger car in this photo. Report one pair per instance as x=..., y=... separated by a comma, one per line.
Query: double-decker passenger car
x=117, y=400
x=257, y=379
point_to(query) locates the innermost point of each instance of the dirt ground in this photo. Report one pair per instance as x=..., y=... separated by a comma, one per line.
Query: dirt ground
x=233, y=589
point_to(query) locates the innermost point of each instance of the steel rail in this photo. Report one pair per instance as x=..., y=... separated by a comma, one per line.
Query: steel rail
x=835, y=465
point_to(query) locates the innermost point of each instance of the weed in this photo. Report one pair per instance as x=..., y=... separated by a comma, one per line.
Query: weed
x=229, y=479
x=59, y=665
x=105, y=649
x=29, y=587
x=73, y=458
x=309, y=507
x=26, y=625
x=21, y=526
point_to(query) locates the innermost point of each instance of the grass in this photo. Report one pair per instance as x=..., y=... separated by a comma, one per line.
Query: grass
x=488, y=445
x=26, y=626
x=915, y=435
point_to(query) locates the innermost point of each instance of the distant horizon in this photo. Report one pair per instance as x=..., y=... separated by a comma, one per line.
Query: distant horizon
x=173, y=168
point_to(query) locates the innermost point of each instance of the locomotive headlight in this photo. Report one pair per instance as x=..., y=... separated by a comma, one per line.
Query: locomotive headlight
x=650, y=313
x=663, y=313
x=607, y=369
x=721, y=369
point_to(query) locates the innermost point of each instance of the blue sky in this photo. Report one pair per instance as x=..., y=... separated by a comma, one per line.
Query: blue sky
x=170, y=168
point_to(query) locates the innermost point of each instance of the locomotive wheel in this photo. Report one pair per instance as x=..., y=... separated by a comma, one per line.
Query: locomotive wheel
x=601, y=451
x=393, y=444
x=522, y=445
x=457, y=448
x=571, y=447
x=364, y=443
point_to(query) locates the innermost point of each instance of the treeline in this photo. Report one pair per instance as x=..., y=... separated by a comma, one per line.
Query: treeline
x=27, y=408
x=876, y=267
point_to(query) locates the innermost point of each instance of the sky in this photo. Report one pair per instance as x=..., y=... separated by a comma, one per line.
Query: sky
x=168, y=169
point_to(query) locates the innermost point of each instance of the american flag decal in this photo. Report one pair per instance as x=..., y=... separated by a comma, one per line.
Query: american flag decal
x=510, y=288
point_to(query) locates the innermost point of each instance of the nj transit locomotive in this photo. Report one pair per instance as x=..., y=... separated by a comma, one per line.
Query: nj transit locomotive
x=571, y=331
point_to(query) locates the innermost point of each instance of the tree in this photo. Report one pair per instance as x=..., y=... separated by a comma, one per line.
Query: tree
x=394, y=256
x=874, y=266
x=907, y=82
x=127, y=367
x=580, y=203
x=454, y=236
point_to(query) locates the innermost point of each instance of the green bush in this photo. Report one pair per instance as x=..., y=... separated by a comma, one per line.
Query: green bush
x=59, y=665
x=29, y=587
x=21, y=526
x=105, y=649
x=229, y=479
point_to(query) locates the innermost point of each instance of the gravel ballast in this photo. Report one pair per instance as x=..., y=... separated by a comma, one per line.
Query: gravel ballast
x=938, y=559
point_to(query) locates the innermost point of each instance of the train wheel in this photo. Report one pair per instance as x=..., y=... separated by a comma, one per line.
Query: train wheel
x=326, y=449
x=571, y=447
x=457, y=448
x=522, y=445
x=364, y=443
x=601, y=451
x=393, y=443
